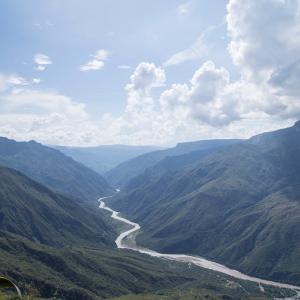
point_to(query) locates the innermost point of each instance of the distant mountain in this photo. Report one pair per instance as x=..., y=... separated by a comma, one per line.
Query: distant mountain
x=103, y=158
x=123, y=173
x=31, y=210
x=53, y=169
x=239, y=205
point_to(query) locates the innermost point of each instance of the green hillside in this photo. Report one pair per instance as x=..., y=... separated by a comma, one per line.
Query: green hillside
x=55, y=248
x=89, y=274
x=121, y=175
x=33, y=211
x=53, y=169
x=239, y=206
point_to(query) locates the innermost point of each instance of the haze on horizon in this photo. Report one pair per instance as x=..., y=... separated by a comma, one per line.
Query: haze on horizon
x=156, y=73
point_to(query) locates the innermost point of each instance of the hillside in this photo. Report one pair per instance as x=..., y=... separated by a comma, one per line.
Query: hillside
x=31, y=210
x=103, y=158
x=121, y=175
x=89, y=274
x=53, y=169
x=54, y=247
x=239, y=205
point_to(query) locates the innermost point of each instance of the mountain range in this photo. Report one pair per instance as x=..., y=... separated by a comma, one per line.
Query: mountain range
x=55, y=247
x=121, y=175
x=232, y=201
x=239, y=205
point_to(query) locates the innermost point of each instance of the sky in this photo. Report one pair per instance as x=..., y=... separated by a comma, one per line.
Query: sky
x=86, y=73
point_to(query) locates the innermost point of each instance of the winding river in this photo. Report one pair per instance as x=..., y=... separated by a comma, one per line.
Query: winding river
x=195, y=260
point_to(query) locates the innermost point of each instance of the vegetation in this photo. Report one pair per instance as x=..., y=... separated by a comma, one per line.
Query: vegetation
x=86, y=273
x=53, y=169
x=239, y=206
x=33, y=211
x=121, y=175
x=51, y=246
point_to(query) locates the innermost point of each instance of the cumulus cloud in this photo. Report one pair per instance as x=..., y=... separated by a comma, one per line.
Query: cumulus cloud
x=268, y=56
x=46, y=116
x=209, y=105
x=42, y=61
x=145, y=77
x=203, y=99
x=264, y=35
x=98, y=61
x=61, y=127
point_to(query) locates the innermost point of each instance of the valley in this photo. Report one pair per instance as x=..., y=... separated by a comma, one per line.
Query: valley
x=198, y=261
x=238, y=206
x=150, y=150
x=204, y=214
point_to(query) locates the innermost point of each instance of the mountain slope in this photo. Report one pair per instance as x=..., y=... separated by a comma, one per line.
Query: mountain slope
x=33, y=211
x=123, y=173
x=103, y=158
x=88, y=274
x=239, y=205
x=53, y=169
x=64, y=248
x=53, y=246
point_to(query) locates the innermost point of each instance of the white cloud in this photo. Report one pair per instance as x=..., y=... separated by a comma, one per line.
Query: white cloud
x=202, y=99
x=42, y=103
x=184, y=8
x=209, y=105
x=268, y=56
x=42, y=61
x=196, y=51
x=45, y=116
x=36, y=80
x=261, y=50
x=145, y=77
x=92, y=65
x=8, y=81
x=102, y=54
x=41, y=68
x=98, y=61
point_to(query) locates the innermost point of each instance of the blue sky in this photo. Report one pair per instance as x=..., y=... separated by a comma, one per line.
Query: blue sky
x=132, y=31
x=100, y=60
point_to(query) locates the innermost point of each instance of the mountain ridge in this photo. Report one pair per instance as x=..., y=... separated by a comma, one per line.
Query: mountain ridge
x=37, y=213
x=230, y=206
x=123, y=173
x=105, y=157
x=53, y=169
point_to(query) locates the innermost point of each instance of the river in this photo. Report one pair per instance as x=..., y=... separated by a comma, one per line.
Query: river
x=195, y=260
